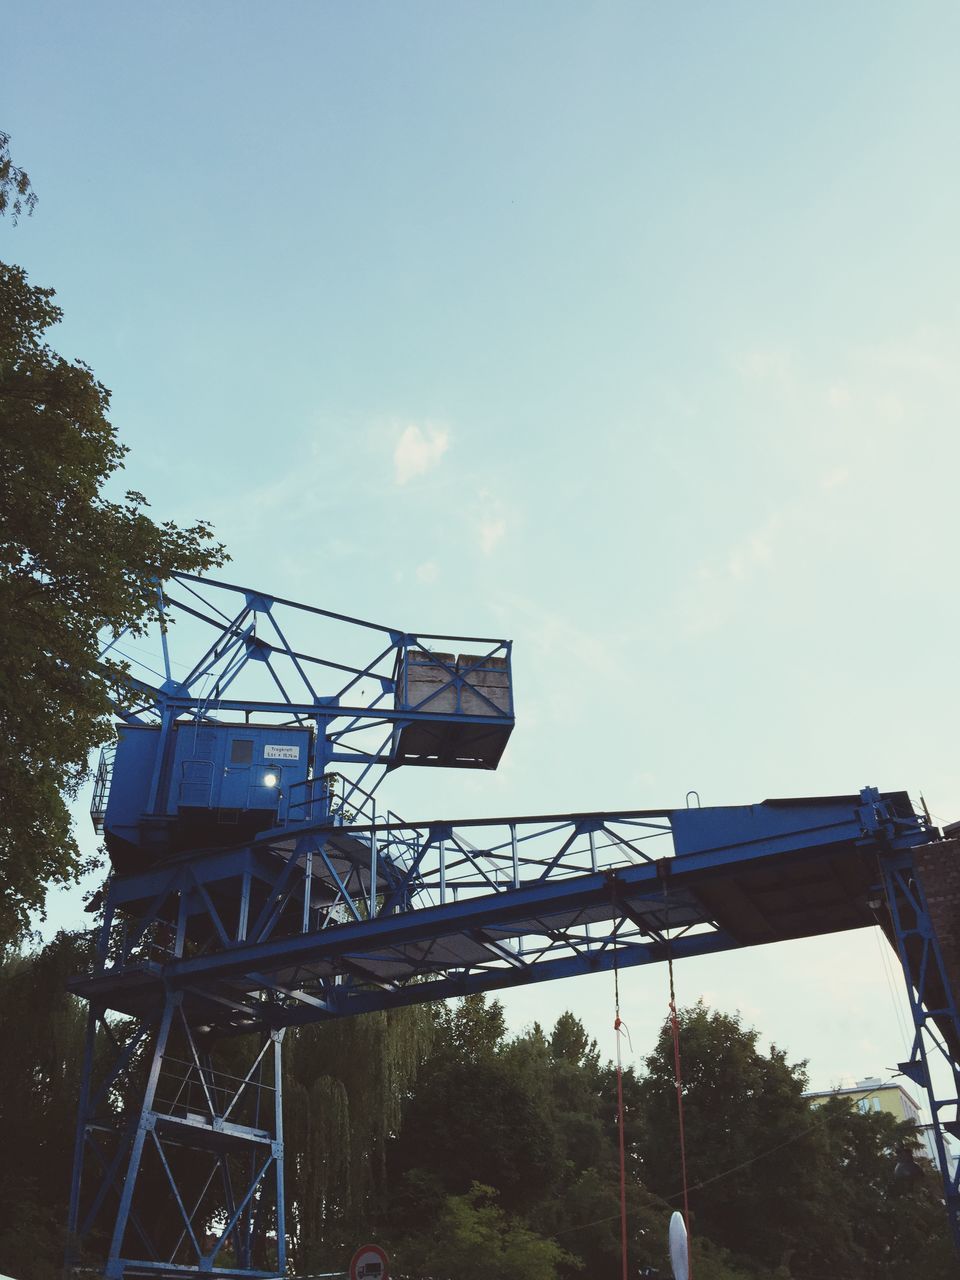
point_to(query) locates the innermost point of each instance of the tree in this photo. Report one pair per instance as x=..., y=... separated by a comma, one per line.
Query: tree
x=72, y=562
x=887, y=1227
x=738, y=1103
x=42, y=1031
x=480, y=1088
x=469, y=1030
x=16, y=194
x=473, y=1239
x=534, y=1119
x=782, y=1186
x=344, y=1089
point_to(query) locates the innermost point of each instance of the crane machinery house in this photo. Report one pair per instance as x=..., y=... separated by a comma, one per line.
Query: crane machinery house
x=213, y=784
x=198, y=783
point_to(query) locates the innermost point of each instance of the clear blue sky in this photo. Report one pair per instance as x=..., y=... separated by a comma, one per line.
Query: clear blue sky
x=629, y=331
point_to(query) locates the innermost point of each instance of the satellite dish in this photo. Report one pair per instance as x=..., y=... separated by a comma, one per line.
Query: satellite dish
x=678, y=1248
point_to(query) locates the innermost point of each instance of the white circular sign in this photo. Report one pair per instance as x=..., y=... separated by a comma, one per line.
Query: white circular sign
x=369, y=1263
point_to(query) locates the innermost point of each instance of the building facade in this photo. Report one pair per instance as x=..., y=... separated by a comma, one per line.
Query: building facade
x=874, y=1094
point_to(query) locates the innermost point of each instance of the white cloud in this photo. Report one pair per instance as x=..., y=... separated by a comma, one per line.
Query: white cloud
x=834, y=478
x=418, y=450
x=713, y=595
x=491, y=533
x=755, y=552
x=491, y=522
x=766, y=365
x=427, y=572
x=555, y=637
x=839, y=397
x=889, y=407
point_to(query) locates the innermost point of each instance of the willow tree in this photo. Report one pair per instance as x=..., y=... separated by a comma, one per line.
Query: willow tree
x=345, y=1085
x=42, y=1033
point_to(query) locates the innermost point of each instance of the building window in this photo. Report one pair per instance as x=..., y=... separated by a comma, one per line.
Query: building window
x=241, y=751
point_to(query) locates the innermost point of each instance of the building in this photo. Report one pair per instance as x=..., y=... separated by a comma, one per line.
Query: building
x=874, y=1094
x=930, y=1149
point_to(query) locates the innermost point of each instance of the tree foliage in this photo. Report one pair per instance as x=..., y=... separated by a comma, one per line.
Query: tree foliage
x=72, y=562
x=42, y=1032
x=534, y=1119
x=384, y=1140
x=16, y=194
x=738, y=1103
x=472, y=1238
x=782, y=1186
x=344, y=1091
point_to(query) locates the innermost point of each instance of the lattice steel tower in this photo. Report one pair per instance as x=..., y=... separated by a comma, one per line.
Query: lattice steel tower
x=259, y=883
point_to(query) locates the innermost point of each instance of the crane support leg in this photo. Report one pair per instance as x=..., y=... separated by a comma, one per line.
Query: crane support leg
x=203, y=1138
x=914, y=885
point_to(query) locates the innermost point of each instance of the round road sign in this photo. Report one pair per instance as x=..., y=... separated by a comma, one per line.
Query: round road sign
x=369, y=1263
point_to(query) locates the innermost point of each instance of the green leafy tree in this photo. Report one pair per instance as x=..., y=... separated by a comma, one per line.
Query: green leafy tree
x=468, y=1030
x=881, y=1225
x=345, y=1086
x=582, y=1205
x=474, y=1117
x=472, y=1238
x=787, y=1189
x=42, y=1032
x=532, y=1118
x=16, y=194
x=72, y=562
x=738, y=1104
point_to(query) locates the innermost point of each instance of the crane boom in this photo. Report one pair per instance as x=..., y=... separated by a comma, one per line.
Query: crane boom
x=257, y=887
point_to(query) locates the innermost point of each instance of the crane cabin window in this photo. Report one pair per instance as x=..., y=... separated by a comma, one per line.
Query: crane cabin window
x=241, y=751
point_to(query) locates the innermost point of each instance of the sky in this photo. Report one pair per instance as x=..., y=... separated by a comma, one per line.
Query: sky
x=627, y=331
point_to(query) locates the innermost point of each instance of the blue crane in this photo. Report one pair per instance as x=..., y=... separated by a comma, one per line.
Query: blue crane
x=260, y=883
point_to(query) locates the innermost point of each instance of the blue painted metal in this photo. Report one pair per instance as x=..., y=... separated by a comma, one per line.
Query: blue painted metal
x=338, y=908
x=407, y=705
x=934, y=1061
x=207, y=1143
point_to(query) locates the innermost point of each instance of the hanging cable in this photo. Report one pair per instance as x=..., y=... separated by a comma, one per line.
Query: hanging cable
x=619, y=1027
x=893, y=988
x=678, y=1077
x=664, y=871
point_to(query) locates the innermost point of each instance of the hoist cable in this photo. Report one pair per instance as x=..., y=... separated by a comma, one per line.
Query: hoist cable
x=678, y=1077
x=677, y=1071
x=619, y=1027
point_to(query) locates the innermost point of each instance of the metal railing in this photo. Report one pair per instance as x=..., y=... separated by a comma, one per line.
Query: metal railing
x=101, y=786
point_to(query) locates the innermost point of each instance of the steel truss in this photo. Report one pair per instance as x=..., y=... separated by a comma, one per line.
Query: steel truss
x=934, y=1061
x=211, y=948
x=179, y=1163
x=205, y=957
x=255, y=668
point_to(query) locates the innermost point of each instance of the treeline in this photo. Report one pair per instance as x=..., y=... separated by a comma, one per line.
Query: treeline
x=473, y=1155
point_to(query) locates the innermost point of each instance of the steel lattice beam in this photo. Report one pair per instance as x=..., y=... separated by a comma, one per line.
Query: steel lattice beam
x=345, y=920
x=327, y=905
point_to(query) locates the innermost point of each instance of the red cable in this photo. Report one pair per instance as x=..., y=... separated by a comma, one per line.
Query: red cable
x=675, y=1029
x=678, y=1077
x=623, y=1159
